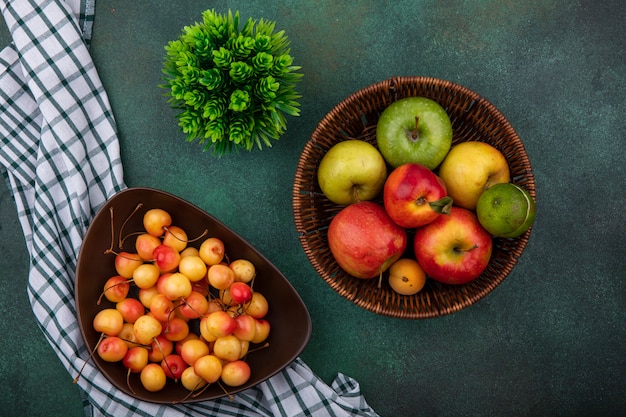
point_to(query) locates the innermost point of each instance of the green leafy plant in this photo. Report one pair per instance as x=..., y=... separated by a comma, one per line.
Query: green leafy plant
x=233, y=87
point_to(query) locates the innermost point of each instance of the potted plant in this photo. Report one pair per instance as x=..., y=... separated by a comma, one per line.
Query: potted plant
x=233, y=87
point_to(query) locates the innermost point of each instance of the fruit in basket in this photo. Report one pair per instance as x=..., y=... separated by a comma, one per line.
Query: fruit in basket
x=470, y=168
x=414, y=196
x=414, y=129
x=406, y=276
x=351, y=171
x=364, y=240
x=506, y=210
x=453, y=249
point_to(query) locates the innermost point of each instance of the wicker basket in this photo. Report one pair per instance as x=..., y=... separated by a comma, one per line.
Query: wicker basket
x=473, y=119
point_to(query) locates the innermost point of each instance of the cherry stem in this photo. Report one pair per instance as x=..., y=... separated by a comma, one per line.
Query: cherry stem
x=230, y=396
x=191, y=393
x=112, y=230
x=263, y=346
x=111, y=287
x=204, y=233
x=121, y=240
x=201, y=391
x=184, y=301
x=90, y=356
x=128, y=384
x=170, y=314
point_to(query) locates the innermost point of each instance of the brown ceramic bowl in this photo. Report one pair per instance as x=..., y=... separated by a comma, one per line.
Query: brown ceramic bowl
x=473, y=119
x=288, y=315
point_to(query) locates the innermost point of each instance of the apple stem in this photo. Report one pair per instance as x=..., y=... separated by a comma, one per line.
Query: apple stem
x=466, y=250
x=415, y=135
x=355, y=192
x=443, y=205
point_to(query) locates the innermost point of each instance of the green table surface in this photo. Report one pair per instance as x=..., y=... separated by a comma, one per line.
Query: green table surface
x=550, y=340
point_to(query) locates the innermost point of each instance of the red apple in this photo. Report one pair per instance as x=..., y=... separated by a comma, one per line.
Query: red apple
x=453, y=249
x=364, y=240
x=415, y=196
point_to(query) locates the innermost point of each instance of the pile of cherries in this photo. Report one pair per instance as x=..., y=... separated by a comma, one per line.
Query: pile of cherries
x=182, y=313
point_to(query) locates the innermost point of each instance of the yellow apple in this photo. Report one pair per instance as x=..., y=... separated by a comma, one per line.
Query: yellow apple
x=469, y=169
x=351, y=171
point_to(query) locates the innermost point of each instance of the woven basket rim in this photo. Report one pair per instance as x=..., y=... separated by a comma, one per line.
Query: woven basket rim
x=358, y=111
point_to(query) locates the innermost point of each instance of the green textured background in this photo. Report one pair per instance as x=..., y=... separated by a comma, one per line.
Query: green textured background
x=550, y=340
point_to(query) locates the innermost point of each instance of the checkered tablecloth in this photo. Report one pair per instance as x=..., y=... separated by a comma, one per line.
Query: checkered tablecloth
x=61, y=159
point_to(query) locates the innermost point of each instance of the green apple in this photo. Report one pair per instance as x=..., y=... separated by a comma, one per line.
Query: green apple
x=469, y=169
x=352, y=170
x=414, y=130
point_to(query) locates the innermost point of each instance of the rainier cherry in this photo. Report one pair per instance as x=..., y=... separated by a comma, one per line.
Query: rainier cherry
x=204, y=330
x=160, y=348
x=246, y=327
x=128, y=335
x=212, y=251
x=173, y=365
x=262, y=330
x=176, y=329
x=227, y=348
x=240, y=292
x=116, y=288
x=258, y=306
x=146, y=294
x=176, y=286
x=178, y=346
x=166, y=258
x=108, y=321
x=153, y=377
x=189, y=251
x=146, y=328
x=191, y=380
x=156, y=220
x=176, y=238
x=131, y=309
x=161, y=307
x=145, y=244
x=236, y=373
x=136, y=359
x=112, y=349
x=221, y=276
x=244, y=270
x=146, y=275
x=245, y=346
x=208, y=367
x=220, y=324
x=126, y=263
x=193, y=349
x=193, y=267
x=194, y=305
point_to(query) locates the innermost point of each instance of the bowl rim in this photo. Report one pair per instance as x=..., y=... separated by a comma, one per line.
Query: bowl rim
x=387, y=91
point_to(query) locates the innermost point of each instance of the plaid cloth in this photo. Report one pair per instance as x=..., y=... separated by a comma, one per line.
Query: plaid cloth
x=61, y=159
